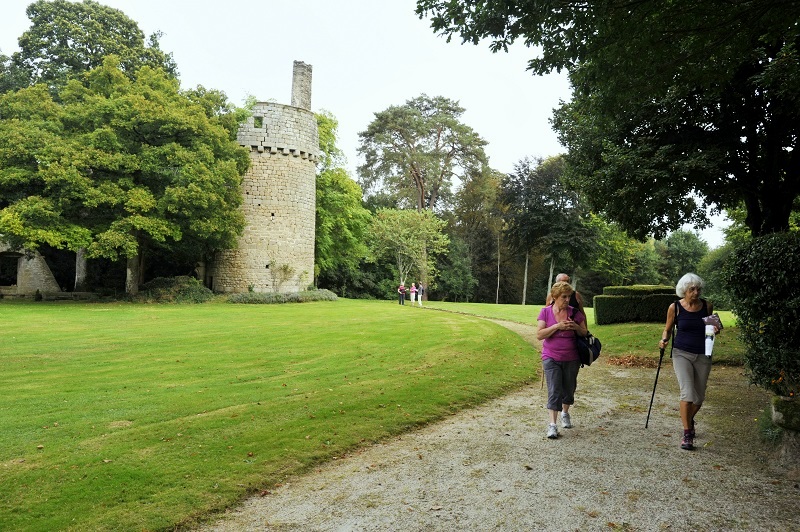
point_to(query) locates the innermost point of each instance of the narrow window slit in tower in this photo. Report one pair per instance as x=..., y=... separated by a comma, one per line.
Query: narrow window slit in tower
x=258, y=122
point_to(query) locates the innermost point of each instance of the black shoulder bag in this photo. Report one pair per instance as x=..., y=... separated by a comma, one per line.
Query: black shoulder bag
x=588, y=346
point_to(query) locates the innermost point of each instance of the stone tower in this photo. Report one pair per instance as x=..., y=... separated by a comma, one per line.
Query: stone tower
x=276, y=251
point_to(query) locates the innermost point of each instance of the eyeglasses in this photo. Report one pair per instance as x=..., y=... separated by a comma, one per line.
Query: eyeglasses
x=694, y=288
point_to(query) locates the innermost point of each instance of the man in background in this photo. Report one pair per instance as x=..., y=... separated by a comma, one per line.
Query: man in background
x=575, y=301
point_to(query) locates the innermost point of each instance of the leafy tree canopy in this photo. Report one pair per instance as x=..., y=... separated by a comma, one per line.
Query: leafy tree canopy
x=677, y=106
x=117, y=165
x=543, y=214
x=411, y=238
x=682, y=253
x=342, y=222
x=68, y=38
x=412, y=152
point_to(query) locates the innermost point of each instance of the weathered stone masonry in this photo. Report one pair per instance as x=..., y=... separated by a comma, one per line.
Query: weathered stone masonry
x=276, y=251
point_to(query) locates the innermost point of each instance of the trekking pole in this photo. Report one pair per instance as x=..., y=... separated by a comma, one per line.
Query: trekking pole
x=654, y=388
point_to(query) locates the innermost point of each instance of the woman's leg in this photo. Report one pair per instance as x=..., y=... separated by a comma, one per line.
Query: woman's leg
x=553, y=376
x=569, y=385
x=702, y=369
x=688, y=410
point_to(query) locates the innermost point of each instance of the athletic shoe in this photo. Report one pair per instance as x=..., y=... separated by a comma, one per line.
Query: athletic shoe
x=687, y=442
x=552, y=431
x=566, y=422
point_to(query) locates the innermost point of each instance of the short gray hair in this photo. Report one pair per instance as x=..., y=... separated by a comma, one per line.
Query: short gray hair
x=686, y=282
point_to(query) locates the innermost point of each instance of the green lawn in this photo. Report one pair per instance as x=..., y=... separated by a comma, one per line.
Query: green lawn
x=620, y=339
x=121, y=416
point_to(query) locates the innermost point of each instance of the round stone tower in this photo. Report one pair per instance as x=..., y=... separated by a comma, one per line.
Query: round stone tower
x=276, y=251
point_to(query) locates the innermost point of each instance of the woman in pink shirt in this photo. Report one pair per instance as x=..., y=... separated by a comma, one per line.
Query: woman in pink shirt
x=557, y=326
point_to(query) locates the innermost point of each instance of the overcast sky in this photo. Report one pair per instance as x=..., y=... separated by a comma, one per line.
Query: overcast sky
x=366, y=56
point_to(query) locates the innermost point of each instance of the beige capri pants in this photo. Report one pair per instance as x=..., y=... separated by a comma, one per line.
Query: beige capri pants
x=692, y=371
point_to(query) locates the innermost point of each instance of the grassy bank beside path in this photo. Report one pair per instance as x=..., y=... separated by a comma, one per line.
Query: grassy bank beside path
x=126, y=417
x=620, y=340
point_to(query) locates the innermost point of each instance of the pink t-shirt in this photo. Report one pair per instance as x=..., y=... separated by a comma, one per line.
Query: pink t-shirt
x=561, y=345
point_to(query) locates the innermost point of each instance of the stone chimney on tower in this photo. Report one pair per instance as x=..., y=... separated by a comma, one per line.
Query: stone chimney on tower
x=301, y=85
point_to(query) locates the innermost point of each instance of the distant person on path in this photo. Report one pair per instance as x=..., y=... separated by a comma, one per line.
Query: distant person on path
x=689, y=361
x=420, y=291
x=556, y=329
x=575, y=299
x=413, y=291
x=401, y=290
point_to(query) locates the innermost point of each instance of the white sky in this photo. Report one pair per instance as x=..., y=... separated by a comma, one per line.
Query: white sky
x=366, y=56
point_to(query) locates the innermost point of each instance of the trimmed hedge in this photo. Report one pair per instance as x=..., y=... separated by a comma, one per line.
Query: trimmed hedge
x=267, y=298
x=638, y=290
x=637, y=303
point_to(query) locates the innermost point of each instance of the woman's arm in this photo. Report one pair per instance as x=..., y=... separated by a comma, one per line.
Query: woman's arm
x=667, y=327
x=543, y=331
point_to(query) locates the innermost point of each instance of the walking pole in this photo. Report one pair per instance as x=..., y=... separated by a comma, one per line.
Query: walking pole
x=654, y=388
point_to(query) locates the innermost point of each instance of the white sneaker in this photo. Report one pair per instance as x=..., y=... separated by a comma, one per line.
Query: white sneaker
x=552, y=431
x=566, y=422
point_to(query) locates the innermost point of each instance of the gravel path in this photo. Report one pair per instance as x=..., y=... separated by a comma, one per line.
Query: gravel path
x=492, y=468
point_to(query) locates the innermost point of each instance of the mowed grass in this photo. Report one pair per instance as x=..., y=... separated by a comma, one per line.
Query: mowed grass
x=144, y=417
x=618, y=339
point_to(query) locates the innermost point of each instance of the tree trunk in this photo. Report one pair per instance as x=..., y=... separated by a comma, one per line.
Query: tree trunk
x=550, y=279
x=525, y=278
x=497, y=293
x=80, y=270
x=132, y=276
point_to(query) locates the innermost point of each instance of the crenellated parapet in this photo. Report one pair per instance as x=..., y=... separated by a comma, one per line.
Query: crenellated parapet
x=278, y=128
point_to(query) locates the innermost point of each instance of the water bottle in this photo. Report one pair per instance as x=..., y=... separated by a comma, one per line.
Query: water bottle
x=709, y=340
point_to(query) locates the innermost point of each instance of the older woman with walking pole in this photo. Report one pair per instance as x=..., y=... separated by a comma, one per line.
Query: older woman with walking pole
x=689, y=359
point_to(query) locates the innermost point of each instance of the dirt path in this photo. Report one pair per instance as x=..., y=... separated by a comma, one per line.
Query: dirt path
x=491, y=468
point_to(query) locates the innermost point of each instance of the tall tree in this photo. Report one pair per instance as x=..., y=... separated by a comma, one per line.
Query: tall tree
x=645, y=264
x=410, y=238
x=68, y=38
x=682, y=253
x=342, y=222
x=542, y=214
x=475, y=220
x=118, y=166
x=412, y=152
x=456, y=281
x=613, y=253
x=677, y=106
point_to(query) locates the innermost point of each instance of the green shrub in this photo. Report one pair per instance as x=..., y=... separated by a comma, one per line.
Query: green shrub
x=182, y=289
x=636, y=303
x=762, y=279
x=276, y=297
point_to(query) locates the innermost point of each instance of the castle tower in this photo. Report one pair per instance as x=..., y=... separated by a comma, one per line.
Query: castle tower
x=276, y=251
